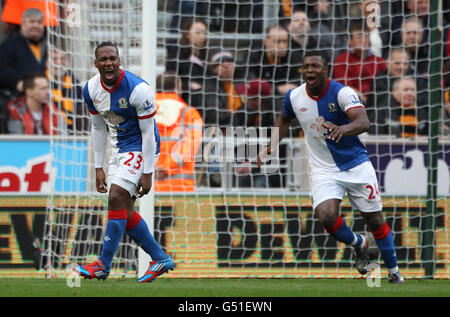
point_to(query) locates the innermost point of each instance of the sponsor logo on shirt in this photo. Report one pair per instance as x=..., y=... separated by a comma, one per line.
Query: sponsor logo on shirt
x=112, y=118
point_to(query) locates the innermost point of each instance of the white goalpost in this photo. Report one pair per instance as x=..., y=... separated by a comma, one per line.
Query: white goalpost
x=148, y=52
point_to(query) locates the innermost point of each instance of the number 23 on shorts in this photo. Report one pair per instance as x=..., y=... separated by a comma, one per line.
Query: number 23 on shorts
x=131, y=162
x=373, y=191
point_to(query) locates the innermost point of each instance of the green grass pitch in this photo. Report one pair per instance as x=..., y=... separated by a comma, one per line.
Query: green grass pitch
x=166, y=287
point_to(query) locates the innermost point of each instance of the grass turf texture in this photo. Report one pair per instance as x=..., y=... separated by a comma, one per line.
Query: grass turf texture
x=222, y=288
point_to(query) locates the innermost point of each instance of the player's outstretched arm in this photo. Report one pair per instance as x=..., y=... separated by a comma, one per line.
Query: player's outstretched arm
x=281, y=126
x=359, y=124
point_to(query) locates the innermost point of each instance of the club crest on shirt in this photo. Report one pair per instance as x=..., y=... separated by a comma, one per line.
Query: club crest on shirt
x=332, y=107
x=123, y=103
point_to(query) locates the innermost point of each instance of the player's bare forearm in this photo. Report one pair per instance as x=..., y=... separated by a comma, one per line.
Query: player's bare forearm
x=281, y=125
x=100, y=180
x=145, y=184
x=281, y=129
x=359, y=123
x=356, y=127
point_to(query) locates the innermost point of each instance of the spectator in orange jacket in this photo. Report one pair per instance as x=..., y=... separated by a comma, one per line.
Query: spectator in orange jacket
x=31, y=113
x=180, y=127
x=13, y=10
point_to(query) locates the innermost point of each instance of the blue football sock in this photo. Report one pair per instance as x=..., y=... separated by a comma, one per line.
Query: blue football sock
x=341, y=232
x=115, y=228
x=385, y=242
x=138, y=230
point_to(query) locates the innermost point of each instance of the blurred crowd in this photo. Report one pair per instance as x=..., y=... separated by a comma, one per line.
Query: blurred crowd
x=379, y=48
x=382, y=49
x=34, y=77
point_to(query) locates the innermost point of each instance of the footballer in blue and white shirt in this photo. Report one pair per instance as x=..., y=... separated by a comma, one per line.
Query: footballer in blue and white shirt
x=343, y=161
x=332, y=117
x=331, y=121
x=125, y=112
x=122, y=106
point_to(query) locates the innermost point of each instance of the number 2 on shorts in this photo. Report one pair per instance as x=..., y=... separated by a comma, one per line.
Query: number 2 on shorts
x=138, y=161
x=373, y=191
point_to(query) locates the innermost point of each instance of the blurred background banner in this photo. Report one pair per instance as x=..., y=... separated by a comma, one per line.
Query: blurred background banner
x=31, y=165
x=215, y=236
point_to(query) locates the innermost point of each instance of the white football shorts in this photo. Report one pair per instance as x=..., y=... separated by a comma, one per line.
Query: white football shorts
x=360, y=183
x=125, y=170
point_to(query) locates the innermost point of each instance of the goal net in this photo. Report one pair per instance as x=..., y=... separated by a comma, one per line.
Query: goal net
x=215, y=212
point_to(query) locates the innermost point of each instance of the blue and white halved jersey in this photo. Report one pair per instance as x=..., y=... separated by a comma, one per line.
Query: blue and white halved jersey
x=324, y=153
x=121, y=107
